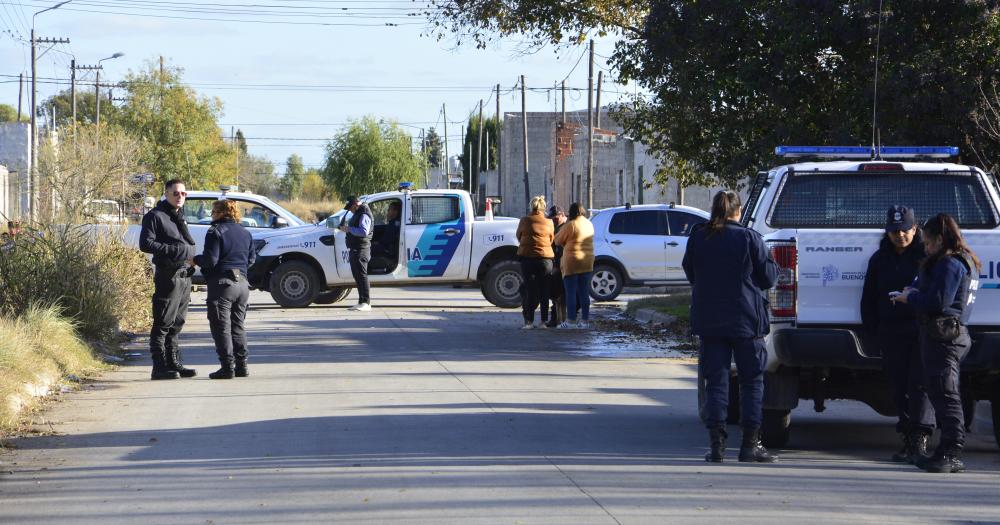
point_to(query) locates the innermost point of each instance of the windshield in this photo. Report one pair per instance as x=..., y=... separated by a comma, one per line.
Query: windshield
x=860, y=199
x=294, y=220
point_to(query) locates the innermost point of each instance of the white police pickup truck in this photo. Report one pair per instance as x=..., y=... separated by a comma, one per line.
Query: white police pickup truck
x=822, y=222
x=440, y=241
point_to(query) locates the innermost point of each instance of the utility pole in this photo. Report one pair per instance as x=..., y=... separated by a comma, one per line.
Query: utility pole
x=20, y=94
x=590, y=130
x=479, y=152
x=600, y=82
x=499, y=156
x=97, y=93
x=468, y=161
x=447, y=161
x=427, y=164
x=33, y=175
x=73, y=69
x=524, y=127
x=564, y=101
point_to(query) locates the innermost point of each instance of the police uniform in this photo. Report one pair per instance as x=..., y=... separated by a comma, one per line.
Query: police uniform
x=895, y=328
x=165, y=235
x=360, y=248
x=227, y=256
x=948, y=289
x=729, y=271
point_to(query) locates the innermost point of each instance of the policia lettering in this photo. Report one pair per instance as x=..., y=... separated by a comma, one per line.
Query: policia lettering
x=165, y=235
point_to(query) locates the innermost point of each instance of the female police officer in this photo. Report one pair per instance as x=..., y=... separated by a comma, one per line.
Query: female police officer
x=228, y=254
x=891, y=268
x=943, y=297
x=729, y=268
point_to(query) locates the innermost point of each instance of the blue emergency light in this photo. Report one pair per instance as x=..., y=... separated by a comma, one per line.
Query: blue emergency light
x=405, y=186
x=867, y=152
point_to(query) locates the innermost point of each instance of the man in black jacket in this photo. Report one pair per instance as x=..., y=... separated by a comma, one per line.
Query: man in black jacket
x=165, y=235
x=890, y=269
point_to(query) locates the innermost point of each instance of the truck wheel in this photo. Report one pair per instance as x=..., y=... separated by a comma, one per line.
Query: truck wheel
x=995, y=405
x=502, y=284
x=606, y=283
x=294, y=284
x=776, y=428
x=333, y=295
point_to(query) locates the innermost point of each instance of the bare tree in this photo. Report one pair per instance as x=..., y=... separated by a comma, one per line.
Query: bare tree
x=987, y=119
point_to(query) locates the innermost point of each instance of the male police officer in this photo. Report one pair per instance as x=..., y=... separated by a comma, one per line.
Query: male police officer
x=359, y=231
x=165, y=235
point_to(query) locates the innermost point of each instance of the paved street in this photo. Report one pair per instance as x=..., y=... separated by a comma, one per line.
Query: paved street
x=436, y=408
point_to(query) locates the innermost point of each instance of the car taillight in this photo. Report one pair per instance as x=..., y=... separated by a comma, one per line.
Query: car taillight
x=782, y=296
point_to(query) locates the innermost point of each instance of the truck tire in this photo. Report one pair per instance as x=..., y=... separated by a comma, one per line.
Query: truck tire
x=333, y=295
x=294, y=284
x=606, y=282
x=502, y=284
x=776, y=428
x=995, y=406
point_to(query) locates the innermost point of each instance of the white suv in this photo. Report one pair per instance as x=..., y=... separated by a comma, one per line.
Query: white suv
x=640, y=246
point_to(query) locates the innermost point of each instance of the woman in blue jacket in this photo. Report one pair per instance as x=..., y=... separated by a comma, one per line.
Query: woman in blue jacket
x=729, y=269
x=942, y=297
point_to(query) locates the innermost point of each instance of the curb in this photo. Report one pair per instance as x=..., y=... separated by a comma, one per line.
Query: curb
x=649, y=315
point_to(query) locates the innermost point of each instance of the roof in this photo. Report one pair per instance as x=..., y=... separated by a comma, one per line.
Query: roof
x=853, y=165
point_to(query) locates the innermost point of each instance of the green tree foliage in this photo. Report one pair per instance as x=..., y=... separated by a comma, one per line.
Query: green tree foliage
x=314, y=188
x=369, y=156
x=291, y=182
x=241, y=141
x=471, y=143
x=178, y=129
x=86, y=109
x=8, y=113
x=433, y=148
x=257, y=176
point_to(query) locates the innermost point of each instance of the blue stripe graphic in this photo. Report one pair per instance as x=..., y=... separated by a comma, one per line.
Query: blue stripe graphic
x=437, y=249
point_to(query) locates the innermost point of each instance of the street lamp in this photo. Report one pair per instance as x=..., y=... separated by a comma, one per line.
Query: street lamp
x=97, y=87
x=33, y=159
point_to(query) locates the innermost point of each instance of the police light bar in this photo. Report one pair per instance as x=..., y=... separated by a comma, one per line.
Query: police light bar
x=405, y=186
x=867, y=152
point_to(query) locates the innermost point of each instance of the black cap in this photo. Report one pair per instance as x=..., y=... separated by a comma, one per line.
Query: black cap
x=899, y=218
x=554, y=211
x=351, y=201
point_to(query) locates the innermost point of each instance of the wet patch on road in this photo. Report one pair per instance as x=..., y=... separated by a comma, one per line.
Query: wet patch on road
x=615, y=335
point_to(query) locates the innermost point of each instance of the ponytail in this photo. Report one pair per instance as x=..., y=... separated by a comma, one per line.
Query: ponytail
x=942, y=226
x=725, y=204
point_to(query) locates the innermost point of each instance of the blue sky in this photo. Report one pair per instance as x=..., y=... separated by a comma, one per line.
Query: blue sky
x=287, y=80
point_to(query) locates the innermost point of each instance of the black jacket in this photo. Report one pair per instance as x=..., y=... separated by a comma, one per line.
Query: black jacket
x=890, y=272
x=165, y=235
x=947, y=288
x=228, y=246
x=729, y=272
x=360, y=243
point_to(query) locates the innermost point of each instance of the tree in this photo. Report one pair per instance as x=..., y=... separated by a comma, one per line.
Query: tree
x=314, y=188
x=471, y=143
x=241, y=141
x=291, y=182
x=86, y=107
x=369, y=156
x=8, y=113
x=257, y=176
x=433, y=148
x=178, y=129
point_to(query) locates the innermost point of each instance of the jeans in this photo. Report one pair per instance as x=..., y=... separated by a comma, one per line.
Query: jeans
x=717, y=355
x=535, y=271
x=577, y=294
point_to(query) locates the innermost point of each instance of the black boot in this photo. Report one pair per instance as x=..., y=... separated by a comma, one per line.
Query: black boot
x=905, y=454
x=160, y=370
x=241, y=369
x=717, y=440
x=919, y=450
x=947, y=459
x=173, y=361
x=752, y=450
x=223, y=372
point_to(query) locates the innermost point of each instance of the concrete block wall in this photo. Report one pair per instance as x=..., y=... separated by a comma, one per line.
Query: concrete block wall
x=15, y=156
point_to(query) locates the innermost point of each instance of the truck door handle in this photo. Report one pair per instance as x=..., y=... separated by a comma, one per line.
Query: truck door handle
x=672, y=243
x=616, y=242
x=450, y=231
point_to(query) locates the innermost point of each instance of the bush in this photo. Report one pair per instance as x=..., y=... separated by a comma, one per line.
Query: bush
x=85, y=272
x=35, y=350
x=311, y=211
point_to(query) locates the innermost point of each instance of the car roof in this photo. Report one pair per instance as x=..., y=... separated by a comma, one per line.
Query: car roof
x=635, y=207
x=217, y=194
x=854, y=165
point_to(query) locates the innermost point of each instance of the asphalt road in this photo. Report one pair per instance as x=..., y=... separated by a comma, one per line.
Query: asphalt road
x=436, y=408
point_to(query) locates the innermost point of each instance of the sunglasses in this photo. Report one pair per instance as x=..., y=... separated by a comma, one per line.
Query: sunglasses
x=180, y=194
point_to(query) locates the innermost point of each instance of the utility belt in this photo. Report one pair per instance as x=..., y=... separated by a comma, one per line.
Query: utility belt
x=234, y=275
x=175, y=271
x=942, y=328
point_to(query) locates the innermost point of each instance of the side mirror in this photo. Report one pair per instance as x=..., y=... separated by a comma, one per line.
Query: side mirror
x=333, y=222
x=280, y=222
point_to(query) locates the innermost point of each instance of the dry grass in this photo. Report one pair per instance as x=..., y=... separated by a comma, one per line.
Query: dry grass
x=36, y=350
x=312, y=211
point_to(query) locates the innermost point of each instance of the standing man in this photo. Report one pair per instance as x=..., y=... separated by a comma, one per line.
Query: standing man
x=359, y=243
x=165, y=235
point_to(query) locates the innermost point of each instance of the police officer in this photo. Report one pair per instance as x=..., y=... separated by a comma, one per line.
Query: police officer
x=729, y=269
x=227, y=256
x=359, y=231
x=388, y=244
x=165, y=235
x=943, y=298
x=890, y=269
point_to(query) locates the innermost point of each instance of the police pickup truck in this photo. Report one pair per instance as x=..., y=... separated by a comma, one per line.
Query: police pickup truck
x=822, y=221
x=440, y=241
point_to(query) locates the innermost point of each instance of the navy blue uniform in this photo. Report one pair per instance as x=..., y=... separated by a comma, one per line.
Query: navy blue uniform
x=947, y=288
x=165, y=235
x=895, y=327
x=227, y=256
x=359, y=245
x=729, y=272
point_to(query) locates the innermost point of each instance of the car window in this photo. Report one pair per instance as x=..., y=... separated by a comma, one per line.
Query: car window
x=434, y=209
x=198, y=210
x=682, y=223
x=640, y=222
x=380, y=210
x=255, y=216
